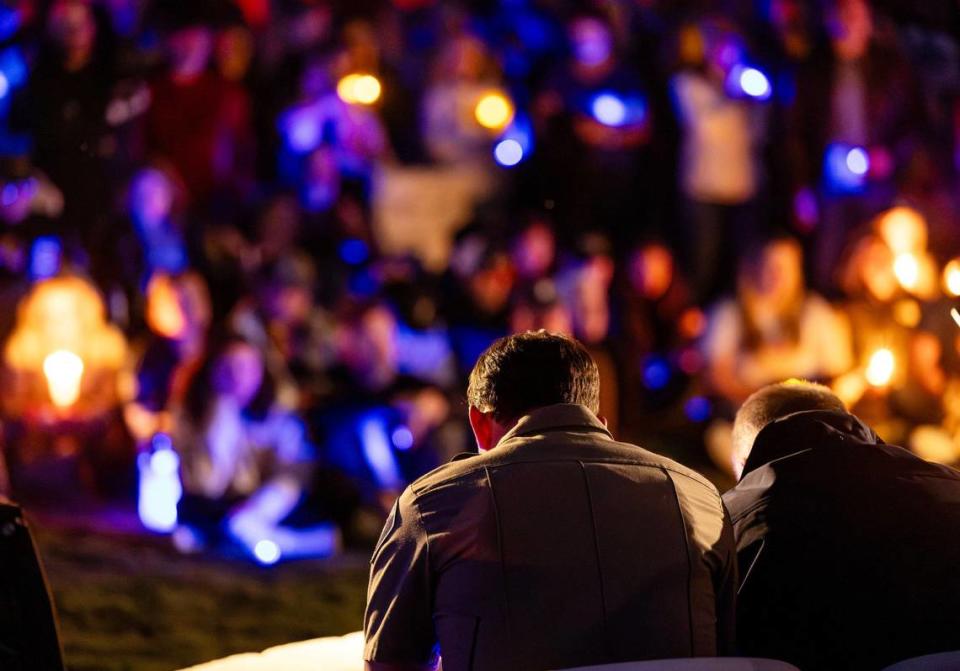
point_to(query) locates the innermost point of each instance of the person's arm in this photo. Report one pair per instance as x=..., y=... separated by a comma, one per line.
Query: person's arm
x=398, y=623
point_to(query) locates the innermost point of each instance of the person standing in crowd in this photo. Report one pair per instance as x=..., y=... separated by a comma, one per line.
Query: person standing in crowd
x=476, y=557
x=723, y=129
x=199, y=121
x=595, y=123
x=854, y=113
x=64, y=108
x=846, y=545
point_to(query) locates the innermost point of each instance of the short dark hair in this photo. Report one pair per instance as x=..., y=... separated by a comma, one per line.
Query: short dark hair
x=521, y=372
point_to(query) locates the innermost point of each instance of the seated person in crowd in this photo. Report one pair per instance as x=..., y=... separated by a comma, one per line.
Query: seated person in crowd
x=774, y=328
x=556, y=546
x=847, y=546
x=246, y=465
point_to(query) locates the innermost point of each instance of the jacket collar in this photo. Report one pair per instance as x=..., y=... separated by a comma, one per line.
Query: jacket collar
x=559, y=417
x=803, y=431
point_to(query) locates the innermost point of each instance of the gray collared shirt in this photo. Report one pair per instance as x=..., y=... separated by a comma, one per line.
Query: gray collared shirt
x=560, y=547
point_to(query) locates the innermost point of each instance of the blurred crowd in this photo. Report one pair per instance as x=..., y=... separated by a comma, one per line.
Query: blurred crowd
x=254, y=247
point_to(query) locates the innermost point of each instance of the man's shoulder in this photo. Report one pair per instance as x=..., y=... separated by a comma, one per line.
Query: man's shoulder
x=470, y=469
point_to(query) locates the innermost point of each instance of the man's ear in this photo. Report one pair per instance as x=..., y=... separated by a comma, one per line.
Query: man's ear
x=482, y=425
x=603, y=419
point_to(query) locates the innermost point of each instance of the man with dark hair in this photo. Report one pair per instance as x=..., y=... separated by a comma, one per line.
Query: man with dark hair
x=554, y=547
x=847, y=546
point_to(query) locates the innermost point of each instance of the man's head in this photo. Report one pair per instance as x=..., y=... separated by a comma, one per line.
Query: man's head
x=772, y=403
x=526, y=371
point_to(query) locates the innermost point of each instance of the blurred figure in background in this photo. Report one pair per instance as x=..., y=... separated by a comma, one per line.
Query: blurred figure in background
x=464, y=72
x=656, y=343
x=64, y=108
x=246, y=464
x=584, y=286
x=595, y=122
x=155, y=205
x=855, y=110
x=178, y=318
x=199, y=121
x=723, y=129
x=774, y=329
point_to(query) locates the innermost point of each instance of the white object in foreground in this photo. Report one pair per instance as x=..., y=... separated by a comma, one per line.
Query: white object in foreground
x=334, y=653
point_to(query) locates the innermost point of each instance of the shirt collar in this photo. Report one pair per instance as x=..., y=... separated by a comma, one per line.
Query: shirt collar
x=559, y=417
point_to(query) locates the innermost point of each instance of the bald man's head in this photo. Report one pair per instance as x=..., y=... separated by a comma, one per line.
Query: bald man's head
x=772, y=403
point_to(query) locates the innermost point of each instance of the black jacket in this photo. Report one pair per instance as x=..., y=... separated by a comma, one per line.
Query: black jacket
x=849, y=549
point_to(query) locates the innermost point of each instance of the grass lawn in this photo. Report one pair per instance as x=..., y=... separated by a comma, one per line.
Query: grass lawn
x=128, y=602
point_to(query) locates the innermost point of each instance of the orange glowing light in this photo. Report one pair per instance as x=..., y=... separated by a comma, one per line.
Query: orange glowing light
x=693, y=323
x=164, y=314
x=359, y=89
x=63, y=370
x=951, y=277
x=907, y=312
x=907, y=269
x=494, y=111
x=903, y=229
x=62, y=349
x=881, y=367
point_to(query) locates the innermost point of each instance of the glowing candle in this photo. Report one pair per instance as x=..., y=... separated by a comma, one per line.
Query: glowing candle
x=63, y=370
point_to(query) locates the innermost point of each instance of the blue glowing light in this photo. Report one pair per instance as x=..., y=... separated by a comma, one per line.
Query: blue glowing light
x=402, y=438
x=609, y=109
x=857, y=161
x=516, y=143
x=14, y=68
x=846, y=168
x=656, y=373
x=266, y=552
x=159, y=490
x=45, y=256
x=302, y=130
x=10, y=21
x=354, y=251
x=362, y=283
x=508, y=152
x=375, y=443
x=698, y=409
x=615, y=110
x=161, y=441
x=754, y=83
x=10, y=191
x=164, y=462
